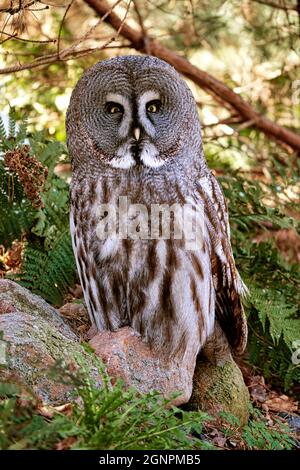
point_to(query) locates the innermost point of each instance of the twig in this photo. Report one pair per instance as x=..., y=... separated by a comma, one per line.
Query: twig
x=52, y=4
x=14, y=36
x=49, y=59
x=140, y=19
x=276, y=5
x=13, y=11
x=193, y=19
x=38, y=9
x=61, y=26
x=69, y=53
x=6, y=21
x=124, y=19
x=11, y=36
x=76, y=54
x=87, y=33
x=141, y=23
x=235, y=119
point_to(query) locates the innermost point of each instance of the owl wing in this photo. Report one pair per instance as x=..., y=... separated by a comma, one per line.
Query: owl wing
x=228, y=284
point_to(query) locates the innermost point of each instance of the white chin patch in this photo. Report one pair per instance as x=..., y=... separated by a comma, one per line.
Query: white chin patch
x=124, y=162
x=124, y=158
x=149, y=157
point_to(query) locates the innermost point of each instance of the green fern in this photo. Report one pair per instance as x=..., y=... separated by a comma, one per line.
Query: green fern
x=259, y=436
x=11, y=126
x=273, y=307
x=16, y=212
x=111, y=417
x=49, y=273
x=115, y=418
x=16, y=134
x=2, y=132
x=21, y=133
x=48, y=266
x=247, y=203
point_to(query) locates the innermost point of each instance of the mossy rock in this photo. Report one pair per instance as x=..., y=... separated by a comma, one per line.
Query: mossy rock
x=34, y=337
x=220, y=388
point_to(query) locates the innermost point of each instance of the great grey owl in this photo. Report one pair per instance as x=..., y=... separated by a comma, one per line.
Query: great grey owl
x=133, y=132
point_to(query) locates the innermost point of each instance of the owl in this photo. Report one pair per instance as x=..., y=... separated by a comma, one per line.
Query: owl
x=134, y=135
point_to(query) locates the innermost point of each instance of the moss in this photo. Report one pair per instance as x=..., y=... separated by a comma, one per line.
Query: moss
x=34, y=346
x=220, y=388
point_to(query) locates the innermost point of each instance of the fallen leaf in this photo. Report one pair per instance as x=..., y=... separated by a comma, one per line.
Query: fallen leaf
x=281, y=403
x=257, y=388
x=219, y=441
x=76, y=316
x=66, y=409
x=46, y=411
x=65, y=444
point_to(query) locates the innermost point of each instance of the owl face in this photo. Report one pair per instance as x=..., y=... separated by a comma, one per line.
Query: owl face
x=135, y=111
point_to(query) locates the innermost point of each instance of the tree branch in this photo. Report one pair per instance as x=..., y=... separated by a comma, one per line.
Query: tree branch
x=277, y=5
x=71, y=52
x=203, y=79
x=17, y=38
x=14, y=10
x=61, y=26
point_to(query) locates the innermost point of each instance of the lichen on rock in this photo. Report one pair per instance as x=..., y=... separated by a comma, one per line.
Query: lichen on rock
x=220, y=388
x=36, y=338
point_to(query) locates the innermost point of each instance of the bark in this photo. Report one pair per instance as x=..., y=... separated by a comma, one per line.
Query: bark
x=203, y=79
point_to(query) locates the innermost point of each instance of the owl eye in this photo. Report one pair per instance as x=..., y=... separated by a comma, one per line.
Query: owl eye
x=114, y=108
x=153, y=106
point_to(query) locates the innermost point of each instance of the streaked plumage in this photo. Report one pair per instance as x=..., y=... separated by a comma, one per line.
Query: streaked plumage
x=171, y=295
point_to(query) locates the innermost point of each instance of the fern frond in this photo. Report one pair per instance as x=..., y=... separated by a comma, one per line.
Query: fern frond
x=2, y=132
x=48, y=267
x=11, y=124
x=22, y=132
x=16, y=212
x=51, y=273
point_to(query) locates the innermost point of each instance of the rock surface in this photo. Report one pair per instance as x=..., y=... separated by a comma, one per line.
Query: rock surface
x=126, y=356
x=35, y=337
x=220, y=388
x=14, y=298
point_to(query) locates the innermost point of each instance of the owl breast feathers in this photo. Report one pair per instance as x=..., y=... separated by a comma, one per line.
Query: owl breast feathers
x=149, y=221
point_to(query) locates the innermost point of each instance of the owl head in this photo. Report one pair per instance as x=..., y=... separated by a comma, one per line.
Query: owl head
x=132, y=112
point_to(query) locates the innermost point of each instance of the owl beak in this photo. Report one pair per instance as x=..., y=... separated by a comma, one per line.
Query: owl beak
x=137, y=133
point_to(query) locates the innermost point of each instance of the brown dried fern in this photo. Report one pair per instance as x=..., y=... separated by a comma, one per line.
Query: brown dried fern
x=30, y=172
